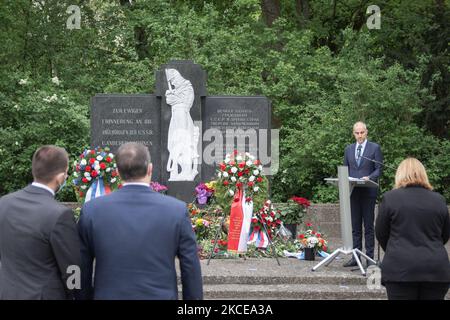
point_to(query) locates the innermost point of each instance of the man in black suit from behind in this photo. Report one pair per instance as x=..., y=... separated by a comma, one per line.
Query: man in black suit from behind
x=362, y=200
x=38, y=235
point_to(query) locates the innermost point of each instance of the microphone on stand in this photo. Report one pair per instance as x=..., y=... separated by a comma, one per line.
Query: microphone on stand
x=378, y=162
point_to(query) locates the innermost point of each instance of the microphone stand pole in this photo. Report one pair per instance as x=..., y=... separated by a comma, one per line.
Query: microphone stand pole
x=389, y=167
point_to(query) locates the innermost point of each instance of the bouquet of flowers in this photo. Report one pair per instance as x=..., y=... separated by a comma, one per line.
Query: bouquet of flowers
x=312, y=239
x=95, y=168
x=269, y=217
x=201, y=228
x=204, y=192
x=155, y=186
x=294, y=210
x=221, y=245
x=239, y=171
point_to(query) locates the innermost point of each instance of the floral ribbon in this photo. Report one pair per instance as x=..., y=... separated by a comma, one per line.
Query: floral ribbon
x=97, y=189
x=240, y=221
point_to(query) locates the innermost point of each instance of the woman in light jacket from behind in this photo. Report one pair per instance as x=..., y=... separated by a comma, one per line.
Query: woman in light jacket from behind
x=412, y=227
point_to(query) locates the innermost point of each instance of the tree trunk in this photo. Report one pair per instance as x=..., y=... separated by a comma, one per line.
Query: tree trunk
x=271, y=10
x=140, y=35
x=303, y=11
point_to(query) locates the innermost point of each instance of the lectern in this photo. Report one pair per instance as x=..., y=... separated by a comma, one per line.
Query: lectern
x=346, y=185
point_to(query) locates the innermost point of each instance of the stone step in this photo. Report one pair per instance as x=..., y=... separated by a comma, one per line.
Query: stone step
x=309, y=278
x=291, y=291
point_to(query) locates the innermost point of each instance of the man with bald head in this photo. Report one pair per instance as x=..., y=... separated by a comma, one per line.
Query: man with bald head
x=134, y=234
x=357, y=157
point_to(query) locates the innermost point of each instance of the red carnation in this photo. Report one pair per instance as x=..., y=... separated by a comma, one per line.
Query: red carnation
x=259, y=179
x=232, y=163
x=318, y=235
x=246, y=171
x=81, y=194
x=239, y=184
x=222, y=167
x=235, y=152
x=82, y=155
x=240, y=174
x=114, y=173
x=248, y=199
x=88, y=168
x=309, y=224
x=242, y=164
x=278, y=221
x=108, y=159
x=225, y=183
x=94, y=174
x=91, y=161
x=77, y=168
x=102, y=166
x=84, y=180
x=301, y=236
x=92, y=152
x=250, y=184
x=120, y=186
x=254, y=220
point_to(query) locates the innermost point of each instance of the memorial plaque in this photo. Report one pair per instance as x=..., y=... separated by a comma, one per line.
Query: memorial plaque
x=117, y=119
x=232, y=122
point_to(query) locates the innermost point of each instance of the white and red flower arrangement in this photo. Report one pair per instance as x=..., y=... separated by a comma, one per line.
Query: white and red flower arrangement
x=240, y=172
x=268, y=216
x=312, y=238
x=93, y=165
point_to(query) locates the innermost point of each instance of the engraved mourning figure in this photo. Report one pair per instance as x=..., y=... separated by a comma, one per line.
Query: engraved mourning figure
x=183, y=135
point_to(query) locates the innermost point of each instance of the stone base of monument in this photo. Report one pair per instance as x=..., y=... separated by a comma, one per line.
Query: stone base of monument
x=182, y=190
x=259, y=279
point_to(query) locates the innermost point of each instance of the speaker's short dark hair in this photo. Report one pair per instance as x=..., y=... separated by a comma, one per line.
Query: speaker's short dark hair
x=132, y=161
x=48, y=161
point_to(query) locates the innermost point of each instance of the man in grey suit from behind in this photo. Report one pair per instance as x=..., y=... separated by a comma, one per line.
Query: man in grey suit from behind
x=38, y=235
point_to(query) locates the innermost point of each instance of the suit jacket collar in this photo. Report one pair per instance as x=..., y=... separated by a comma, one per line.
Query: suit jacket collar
x=136, y=188
x=38, y=191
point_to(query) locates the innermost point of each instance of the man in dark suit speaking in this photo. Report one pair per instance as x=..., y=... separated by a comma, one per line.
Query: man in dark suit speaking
x=39, y=245
x=362, y=200
x=134, y=234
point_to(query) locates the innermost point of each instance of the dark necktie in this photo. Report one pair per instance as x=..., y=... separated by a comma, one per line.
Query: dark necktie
x=358, y=155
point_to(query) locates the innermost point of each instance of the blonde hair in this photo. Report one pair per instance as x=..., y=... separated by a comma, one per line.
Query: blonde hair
x=411, y=172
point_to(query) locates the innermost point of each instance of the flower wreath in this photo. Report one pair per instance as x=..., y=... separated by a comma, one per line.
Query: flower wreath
x=240, y=171
x=92, y=165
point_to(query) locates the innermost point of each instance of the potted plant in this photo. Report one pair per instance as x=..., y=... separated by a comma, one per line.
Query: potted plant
x=293, y=212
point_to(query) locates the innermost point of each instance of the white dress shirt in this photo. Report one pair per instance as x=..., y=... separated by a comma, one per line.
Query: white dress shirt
x=363, y=146
x=136, y=184
x=43, y=186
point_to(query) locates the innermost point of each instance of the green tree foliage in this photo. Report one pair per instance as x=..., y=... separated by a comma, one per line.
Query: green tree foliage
x=316, y=60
